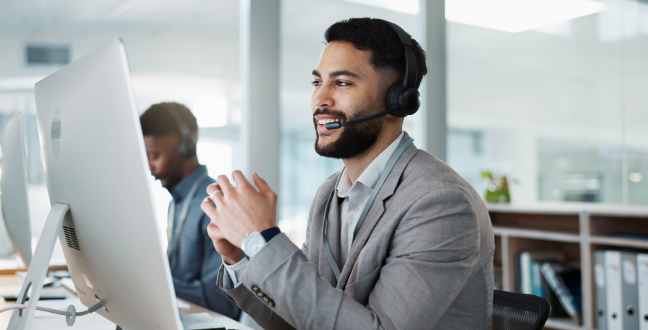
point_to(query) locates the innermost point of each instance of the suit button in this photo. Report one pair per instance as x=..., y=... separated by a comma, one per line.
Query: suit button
x=255, y=288
x=271, y=303
x=260, y=294
x=266, y=299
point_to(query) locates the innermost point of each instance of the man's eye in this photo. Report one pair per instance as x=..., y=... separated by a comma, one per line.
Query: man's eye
x=316, y=83
x=342, y=83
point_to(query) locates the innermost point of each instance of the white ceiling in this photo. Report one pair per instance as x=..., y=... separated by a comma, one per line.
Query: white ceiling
x=81, y=17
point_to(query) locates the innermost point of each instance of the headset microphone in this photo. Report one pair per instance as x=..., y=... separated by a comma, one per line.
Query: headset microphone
x=169, y=171
x=403, y=97
x=357, y=121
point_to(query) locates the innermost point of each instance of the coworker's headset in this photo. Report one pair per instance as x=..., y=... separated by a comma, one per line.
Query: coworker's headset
x=187, y=147
x=403, y=98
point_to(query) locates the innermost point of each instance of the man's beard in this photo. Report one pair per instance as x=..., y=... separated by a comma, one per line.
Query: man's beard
x=354, y=139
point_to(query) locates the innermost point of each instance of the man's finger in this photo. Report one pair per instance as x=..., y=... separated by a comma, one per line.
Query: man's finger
x=213, y=231
x=264, y=188
x=261, y=184
x=208, y=208
x=213, y=190
x=225, y=184
x=240, y=179
x=215, y=234
x=212, y=187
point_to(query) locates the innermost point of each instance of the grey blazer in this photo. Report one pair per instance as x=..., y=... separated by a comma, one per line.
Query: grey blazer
x=423, y=259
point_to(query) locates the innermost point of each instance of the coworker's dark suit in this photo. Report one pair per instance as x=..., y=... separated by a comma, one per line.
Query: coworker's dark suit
x=195, y=266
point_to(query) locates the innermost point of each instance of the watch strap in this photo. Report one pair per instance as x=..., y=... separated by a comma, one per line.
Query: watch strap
x=270, y=233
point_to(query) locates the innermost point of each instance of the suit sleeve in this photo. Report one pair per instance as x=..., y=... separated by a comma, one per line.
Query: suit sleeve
x=247, y=301
x=251, y=304
x=434, y=250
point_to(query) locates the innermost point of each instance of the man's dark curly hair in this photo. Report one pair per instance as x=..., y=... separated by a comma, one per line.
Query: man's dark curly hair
x=376, y=35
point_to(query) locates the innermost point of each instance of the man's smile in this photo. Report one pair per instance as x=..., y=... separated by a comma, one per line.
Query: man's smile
x=322, y=120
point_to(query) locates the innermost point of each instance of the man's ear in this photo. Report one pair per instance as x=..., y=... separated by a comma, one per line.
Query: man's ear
x=393, y=119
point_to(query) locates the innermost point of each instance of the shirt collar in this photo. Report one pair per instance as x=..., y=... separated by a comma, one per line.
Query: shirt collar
x=181, y=189
x=371, y=174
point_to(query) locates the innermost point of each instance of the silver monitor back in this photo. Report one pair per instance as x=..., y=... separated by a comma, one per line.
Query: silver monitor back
x=95, y=161
x=13, y=189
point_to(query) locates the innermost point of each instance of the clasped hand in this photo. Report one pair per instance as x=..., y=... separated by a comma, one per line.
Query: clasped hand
x=239, y=211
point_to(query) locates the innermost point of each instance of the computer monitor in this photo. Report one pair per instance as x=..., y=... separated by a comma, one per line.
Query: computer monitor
x=95, y=162
x=13, y=189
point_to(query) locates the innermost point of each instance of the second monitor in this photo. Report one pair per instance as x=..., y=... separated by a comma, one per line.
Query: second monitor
x=13, y=189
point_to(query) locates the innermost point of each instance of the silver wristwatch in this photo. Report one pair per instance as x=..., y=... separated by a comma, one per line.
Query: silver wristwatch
x=253, y=243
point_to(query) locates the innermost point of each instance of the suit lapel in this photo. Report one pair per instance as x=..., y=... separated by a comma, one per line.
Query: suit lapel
x=375, y=212
x=333, y=237
x=333, y=234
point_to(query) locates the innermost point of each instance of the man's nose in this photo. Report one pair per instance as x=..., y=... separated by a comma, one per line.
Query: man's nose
x=323, y=98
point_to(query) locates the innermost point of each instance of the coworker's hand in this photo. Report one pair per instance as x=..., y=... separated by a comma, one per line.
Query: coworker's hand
x=242, y=209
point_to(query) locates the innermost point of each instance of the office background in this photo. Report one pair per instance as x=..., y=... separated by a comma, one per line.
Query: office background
x=555, y=98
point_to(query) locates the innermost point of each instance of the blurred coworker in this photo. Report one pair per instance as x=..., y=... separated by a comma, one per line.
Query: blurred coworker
x=396, y=240
x=170, y=134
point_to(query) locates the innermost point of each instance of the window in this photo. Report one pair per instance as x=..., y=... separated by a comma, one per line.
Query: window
x=559, y=107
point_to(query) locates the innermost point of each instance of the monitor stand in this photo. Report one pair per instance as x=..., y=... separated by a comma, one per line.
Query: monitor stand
x=22, y=319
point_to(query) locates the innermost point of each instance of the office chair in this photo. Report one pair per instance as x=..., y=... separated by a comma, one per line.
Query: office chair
x=518, y=311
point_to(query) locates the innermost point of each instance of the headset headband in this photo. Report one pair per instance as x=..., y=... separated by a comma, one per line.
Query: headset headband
x=409, y=81
x=185, y=132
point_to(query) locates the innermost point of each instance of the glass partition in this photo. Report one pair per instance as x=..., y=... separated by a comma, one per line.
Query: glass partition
x=560, y=108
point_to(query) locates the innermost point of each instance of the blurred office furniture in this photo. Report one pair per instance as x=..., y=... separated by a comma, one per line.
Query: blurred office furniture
x=574, y=229
x=518, y=311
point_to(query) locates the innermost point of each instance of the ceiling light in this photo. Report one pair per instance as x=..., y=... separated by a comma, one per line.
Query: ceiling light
x=518, y=15
x=403, y=6
x=636, y=177
x=504, y=15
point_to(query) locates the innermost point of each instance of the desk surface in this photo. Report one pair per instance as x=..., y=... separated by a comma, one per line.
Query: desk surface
x=11, y=284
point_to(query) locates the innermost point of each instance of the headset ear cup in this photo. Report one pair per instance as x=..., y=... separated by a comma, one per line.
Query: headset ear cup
x=410, y=101
x=191, y=149
x=187, y=149
x=393, y=96
x=182, y=149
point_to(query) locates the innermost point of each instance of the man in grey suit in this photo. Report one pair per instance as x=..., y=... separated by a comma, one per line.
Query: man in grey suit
x=396, y=240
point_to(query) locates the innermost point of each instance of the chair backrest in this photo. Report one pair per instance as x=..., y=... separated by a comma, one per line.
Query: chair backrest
x=518, y=311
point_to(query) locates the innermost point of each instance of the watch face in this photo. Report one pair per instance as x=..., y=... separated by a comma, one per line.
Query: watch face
x=253, y=243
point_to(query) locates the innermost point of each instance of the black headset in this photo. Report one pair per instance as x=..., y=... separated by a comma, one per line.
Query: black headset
x=403, y=98
x=187, y=146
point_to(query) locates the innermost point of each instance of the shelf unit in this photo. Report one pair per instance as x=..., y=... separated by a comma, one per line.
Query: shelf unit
x=576, y=229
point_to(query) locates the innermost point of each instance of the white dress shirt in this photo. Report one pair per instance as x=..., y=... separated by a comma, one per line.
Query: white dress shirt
x=355, y=197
